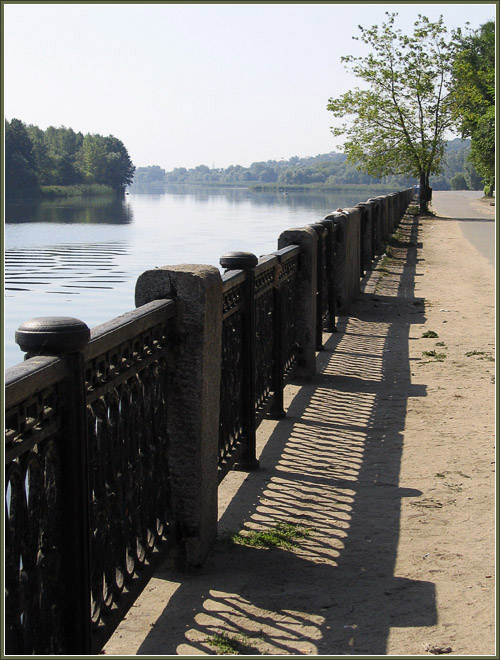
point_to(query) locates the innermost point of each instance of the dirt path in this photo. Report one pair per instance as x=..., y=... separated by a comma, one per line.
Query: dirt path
x=388, y=459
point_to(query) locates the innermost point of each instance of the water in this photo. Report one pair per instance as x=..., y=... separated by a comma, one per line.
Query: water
x=81, y=258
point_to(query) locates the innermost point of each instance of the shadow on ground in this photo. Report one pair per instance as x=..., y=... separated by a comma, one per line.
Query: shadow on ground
x=332, y=466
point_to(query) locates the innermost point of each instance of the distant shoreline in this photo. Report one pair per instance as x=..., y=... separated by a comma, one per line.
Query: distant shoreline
x=266, y=187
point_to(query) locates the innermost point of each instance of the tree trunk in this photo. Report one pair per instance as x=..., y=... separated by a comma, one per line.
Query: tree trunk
x=424, y=197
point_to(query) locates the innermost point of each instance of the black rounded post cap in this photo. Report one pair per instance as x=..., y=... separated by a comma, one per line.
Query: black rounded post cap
x=52, y=335
x=238, y=260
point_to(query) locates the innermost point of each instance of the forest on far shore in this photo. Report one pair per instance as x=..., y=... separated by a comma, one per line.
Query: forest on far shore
x=59, y=161
x=331, y=170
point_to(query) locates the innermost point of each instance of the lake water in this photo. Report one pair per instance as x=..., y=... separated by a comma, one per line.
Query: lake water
x=81, y=258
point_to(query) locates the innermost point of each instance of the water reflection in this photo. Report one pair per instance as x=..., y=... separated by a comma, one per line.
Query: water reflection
x=63, y=267
x=326, y=200
x=71, y=210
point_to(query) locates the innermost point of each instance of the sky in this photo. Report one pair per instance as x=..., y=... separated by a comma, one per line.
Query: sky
x=189, y=84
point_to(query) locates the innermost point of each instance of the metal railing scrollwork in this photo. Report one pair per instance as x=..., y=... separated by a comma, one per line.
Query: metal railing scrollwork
x=87, y=489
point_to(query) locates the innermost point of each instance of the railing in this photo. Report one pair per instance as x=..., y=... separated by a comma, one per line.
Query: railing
x=259, y=350
x=116, y=440
x=87, y=492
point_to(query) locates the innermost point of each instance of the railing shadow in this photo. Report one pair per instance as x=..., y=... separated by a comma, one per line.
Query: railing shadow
x=332, y=466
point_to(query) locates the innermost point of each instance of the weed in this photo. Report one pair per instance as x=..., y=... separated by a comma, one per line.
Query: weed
x=438, y=357
x=472, y=353
x=388, y=253
x=283, y=535
x=226, y=645
x=430, y=334
x=482, y=355
x=440, y=343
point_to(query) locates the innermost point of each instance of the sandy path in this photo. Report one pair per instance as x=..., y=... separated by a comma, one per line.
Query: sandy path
x=388, y=458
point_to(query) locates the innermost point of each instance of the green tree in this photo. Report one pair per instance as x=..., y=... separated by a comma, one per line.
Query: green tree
x=459, y=182
x=120, y=170
x=44, y=163
x=105, y=160
x=149, y=174
x=396, y=124
x=474, y=96
x=20, y=162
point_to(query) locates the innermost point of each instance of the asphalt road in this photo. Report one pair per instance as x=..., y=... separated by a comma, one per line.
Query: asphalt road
x=477, y=218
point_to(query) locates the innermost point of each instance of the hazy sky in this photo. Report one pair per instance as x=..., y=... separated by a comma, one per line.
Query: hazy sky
x=189, y=84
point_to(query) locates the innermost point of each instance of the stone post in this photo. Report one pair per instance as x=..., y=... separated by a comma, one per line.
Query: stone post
x=321, y=233
x=348, y=256
x=331, y=240
x=367, y=249
x=384, y=203
x=193, y=398
x=376, y=203
x=306, y=238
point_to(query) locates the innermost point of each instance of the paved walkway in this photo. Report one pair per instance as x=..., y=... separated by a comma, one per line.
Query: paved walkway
x=399, y=559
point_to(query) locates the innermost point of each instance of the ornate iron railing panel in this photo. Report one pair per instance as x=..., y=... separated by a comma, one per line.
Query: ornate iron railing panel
x=265, y=275
x=286, y=281
x=55, y=590
x=231, y=400
x=127, y=365
x=34, y=522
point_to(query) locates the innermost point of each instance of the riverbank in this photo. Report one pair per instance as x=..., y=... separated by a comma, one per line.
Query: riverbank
x=387, y=458
x=363, y=190
x=86, y=190
x=77, y=190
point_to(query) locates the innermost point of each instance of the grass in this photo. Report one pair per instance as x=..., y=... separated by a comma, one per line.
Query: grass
x=438, y=357
x=283, y=535
x=430, y=334
x=481, y=354
x=385, y=261
x=226, y=645
x=77, y=190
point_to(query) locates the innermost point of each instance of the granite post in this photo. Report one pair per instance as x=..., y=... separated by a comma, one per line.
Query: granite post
x=307, y=239
x=193, y=399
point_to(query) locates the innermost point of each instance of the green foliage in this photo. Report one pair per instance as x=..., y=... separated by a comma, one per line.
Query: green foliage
x=459, y=182
x=150, y=174
x=397, y=122
x=77, y=190
x=283, y=535
x=231, y=645
x=105, y=160
x=20, y=161
x=430, y=333
x=61, y=157
x=438, y=357
x=473, y=96
x=331, y=170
